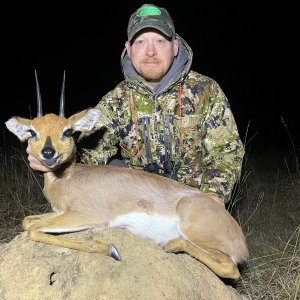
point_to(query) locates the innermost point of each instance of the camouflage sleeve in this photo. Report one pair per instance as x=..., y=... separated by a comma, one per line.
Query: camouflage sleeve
x=106, y=146
x=224, y=148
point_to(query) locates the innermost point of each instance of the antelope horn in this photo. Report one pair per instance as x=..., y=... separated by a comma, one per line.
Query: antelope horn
x=62, y=98
x=38, y=97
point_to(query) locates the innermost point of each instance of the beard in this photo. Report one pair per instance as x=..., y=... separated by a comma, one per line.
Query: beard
x=151, y=72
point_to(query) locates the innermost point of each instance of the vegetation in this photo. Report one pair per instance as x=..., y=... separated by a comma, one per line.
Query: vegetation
x=268, y=208
x=20, y=192
x=266, y=204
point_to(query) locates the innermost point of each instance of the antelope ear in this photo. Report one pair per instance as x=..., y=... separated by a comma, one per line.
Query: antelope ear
x=19, y=127
x=86, y=120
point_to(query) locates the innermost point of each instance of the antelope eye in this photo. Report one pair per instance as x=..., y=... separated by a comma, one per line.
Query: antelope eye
x=68, y=132
x=32, y=132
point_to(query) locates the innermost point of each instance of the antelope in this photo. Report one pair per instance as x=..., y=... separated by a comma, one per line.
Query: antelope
x=177, y=217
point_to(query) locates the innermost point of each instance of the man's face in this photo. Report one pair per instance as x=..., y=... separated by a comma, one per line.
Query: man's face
x=152, y=54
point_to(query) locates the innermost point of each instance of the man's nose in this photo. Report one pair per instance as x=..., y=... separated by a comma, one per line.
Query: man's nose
x=151, y=50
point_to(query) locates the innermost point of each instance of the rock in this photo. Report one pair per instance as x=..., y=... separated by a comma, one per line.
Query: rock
x=32, y=270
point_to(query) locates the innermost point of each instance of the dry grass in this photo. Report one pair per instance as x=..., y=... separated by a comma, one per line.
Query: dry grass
x=274, y=275
x=268, y=208
x=20, y=192
x=266, y=204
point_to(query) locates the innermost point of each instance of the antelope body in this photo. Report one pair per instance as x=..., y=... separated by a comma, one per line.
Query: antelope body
x=177, y=217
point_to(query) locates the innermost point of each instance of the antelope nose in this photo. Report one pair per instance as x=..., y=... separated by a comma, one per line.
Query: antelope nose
x=48, y=152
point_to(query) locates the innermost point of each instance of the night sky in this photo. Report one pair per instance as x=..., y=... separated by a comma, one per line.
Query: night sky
x=250, y=51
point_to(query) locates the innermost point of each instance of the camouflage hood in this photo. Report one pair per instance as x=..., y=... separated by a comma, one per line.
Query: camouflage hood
x=179, y=69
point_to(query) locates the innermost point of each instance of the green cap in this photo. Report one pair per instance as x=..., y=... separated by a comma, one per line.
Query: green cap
x=150, y=16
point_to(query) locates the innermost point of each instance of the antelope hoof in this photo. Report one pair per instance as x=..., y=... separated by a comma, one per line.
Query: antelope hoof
x=113, y=252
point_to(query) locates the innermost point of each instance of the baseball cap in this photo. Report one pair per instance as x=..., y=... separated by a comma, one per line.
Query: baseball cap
x=150, y=16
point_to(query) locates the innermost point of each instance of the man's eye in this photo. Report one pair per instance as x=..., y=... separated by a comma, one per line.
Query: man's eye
x=160, y=42
x=139, y=43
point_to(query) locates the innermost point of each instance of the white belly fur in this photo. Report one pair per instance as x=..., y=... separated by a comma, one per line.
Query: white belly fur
x=160, y=229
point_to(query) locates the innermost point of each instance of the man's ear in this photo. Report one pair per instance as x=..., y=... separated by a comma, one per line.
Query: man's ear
x=127, y=46
x=176, y=47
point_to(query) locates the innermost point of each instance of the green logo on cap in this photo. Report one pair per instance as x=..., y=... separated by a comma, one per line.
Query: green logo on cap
x=148, y=11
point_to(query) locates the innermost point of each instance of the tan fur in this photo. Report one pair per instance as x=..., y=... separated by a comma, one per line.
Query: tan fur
x=93, y=196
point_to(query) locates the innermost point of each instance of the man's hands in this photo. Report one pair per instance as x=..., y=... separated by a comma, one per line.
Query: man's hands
x=34, y=163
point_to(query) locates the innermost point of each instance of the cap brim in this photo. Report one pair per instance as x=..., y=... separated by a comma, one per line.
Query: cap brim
x=158, y=26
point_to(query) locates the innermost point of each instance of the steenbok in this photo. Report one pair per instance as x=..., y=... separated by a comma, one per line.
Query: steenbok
x=177, y=217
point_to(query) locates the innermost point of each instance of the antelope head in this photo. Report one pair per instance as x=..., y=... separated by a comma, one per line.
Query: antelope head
x=52, y=135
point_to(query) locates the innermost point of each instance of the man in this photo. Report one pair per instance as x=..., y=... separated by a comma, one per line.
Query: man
x=166, y=118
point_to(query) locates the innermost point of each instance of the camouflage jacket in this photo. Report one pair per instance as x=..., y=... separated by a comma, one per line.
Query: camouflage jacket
x=185, y=127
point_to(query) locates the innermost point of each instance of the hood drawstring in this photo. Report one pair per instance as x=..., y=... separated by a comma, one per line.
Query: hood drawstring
x=181, y=147
x=184, y=150
x=138, y=154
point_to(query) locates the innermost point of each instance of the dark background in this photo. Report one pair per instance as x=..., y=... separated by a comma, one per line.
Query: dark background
x=251, y=51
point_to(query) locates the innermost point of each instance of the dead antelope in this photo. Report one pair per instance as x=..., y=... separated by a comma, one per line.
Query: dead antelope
x=177, y=217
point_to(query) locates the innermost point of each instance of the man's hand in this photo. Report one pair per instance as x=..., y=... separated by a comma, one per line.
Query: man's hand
x=34, y=163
